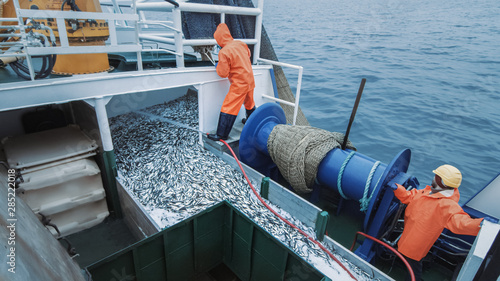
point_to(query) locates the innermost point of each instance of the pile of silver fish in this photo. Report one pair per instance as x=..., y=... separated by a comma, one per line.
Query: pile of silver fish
x=167, y=169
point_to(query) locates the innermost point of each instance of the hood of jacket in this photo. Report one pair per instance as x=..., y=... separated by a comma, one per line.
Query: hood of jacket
x=451, y=194
x=222, y=35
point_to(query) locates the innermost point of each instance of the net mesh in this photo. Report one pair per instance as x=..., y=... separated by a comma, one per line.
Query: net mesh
x=298, y=151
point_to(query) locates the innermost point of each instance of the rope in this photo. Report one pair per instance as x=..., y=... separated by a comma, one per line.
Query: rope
x=365, y=201
x=341, y=173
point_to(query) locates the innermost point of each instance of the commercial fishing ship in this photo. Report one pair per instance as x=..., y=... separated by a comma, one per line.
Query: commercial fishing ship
x=107, y=173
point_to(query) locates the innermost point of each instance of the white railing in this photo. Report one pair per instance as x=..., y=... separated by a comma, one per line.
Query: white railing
x=174, y=38
x=180, y=42
x=299, y=85
x=29, y=49
x=65, y=48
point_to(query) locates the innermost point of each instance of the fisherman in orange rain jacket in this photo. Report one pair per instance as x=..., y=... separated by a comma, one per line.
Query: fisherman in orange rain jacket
x=234, y=62
x=429, y=211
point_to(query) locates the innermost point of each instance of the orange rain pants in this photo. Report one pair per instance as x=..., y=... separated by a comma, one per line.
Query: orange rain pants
x=234, y=62
x=427, y=215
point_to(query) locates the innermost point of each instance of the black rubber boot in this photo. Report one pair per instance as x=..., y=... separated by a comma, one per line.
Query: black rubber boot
x=249, y=112
x=226, y=122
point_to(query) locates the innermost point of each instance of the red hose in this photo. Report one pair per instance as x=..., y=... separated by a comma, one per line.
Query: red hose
x=285, y=220
x=412, y=275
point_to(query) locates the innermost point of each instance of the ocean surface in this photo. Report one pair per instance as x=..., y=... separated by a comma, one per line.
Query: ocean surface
x=432, y=70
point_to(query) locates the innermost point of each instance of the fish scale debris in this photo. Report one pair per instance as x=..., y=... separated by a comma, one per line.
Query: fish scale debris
x=172, y=175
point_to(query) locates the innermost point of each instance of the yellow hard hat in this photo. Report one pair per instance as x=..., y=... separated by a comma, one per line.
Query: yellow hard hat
x=450, y=175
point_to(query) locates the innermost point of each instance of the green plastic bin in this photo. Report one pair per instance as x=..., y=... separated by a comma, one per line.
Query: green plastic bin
x=219, y=235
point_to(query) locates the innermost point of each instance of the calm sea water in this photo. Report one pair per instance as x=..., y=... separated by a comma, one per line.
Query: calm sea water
x=432, y=70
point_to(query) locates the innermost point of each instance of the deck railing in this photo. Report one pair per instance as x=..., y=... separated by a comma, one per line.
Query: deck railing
x=295, y=105
x=117, y=19
x=28, y=47
x=180, y=41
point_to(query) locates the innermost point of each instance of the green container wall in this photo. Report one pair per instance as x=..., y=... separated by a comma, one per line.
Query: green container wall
x=220, y=234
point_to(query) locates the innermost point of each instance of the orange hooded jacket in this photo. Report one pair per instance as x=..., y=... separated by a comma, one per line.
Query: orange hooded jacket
x=427, y=215
x=234, y=62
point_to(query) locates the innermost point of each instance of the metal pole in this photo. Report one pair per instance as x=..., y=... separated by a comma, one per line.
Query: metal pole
x=24, y=40
x=179, y=44
x=353, y=113
x=102, y=121
x=258, y=31
x=297, y=95
x=137, y=38
x=108, y=154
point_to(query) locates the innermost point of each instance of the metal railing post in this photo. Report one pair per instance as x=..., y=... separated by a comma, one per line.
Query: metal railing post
x=297, y=95
x=179, y=44
x=22, y=30
x=258, y=31
x=137, y=39
x=299, y=85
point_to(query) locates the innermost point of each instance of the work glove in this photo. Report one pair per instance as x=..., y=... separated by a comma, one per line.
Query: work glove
x=394, y=186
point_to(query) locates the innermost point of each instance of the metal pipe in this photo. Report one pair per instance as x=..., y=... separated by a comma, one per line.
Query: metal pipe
x=157, y=39
x=160, y=50
x=136, y=24
x=155, y=7
x=217, y=9
x=173, y=3
x=279, y=63
x=164, y=24
x=353, y=113
x=11, y=35
x=297, y=95
x=102, y=121
x=178, y=36
x=278, y=100
x=10, y=43
x=9, y=26
x=203, y=42
x=198, y=8
x=258, y=31
x=163, y=35
x=22, y=31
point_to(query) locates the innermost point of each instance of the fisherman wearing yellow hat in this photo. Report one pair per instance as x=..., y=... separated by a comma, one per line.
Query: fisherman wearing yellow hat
x=429, y=211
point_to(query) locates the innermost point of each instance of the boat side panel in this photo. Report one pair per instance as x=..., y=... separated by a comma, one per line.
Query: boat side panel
x=357, y=261
x=135, y=216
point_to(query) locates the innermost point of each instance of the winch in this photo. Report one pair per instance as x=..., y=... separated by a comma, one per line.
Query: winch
x=353, y=175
